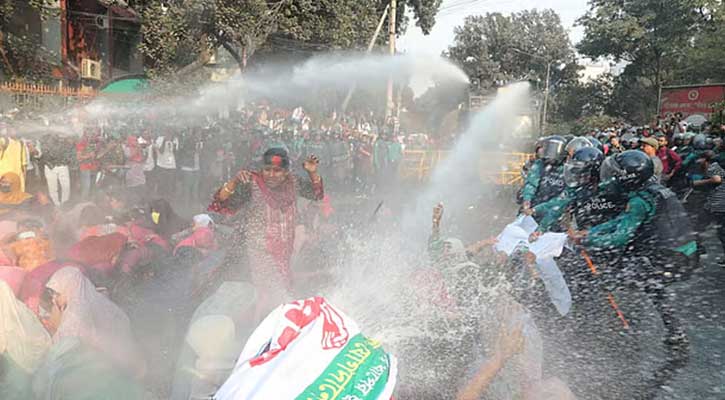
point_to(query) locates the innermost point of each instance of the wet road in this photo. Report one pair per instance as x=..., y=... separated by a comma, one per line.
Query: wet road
x=702, y=312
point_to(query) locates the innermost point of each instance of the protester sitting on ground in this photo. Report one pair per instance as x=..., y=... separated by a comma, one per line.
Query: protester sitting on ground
x=76, y=309
x=100, y=254
x=199, y=237
x=30, y=247
x=12, y=197
x=23, y=345
x=104, y=225
x=165, y=220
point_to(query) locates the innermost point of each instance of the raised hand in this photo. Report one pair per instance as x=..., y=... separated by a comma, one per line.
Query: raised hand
x=311, y=164
x=437, y=214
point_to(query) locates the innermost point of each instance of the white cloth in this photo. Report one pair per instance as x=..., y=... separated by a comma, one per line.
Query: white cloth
x=165, y=157
x=555, y=284
x=22, y=337
x=94, y=319
x=545, y=248
x=58, y=178
x=515, y=233
x=548, y=245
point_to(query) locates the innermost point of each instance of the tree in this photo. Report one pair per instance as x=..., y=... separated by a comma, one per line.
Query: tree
x=183, y=33
x=649, y=34
x=578, y=100
x=18, y=52
x=700, y=59
x=493, y=47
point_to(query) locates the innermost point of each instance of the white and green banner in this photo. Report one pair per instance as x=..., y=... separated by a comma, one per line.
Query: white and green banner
x=309, y=350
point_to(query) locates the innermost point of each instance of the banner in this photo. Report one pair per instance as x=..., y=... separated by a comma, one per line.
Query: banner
x=308, y=350
x=695, y=100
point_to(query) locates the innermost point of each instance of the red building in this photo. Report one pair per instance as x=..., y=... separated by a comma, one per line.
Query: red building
x=79, y=41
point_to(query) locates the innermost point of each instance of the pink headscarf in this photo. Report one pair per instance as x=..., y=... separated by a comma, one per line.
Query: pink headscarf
x=94, y=319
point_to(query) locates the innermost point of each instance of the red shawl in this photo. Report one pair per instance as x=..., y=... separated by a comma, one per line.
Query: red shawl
x=280, y=219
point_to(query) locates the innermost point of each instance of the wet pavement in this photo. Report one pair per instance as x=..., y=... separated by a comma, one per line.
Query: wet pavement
x=702, y=312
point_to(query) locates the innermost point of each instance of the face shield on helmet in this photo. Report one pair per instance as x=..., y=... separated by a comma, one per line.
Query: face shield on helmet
x=583, y=167
x=609, y=170
x=576, y=144
x=552, y=150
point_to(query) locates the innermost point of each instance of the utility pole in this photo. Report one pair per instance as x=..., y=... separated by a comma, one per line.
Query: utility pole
x=391, y=42
x=546, y=98
x=109, y=43
x=374, y=39
x=542, y=126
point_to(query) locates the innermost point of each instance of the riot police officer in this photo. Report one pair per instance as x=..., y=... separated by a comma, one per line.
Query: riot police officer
x=545, y=179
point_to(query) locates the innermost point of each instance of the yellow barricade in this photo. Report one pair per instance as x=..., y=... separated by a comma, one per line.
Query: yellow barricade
x=494, y=167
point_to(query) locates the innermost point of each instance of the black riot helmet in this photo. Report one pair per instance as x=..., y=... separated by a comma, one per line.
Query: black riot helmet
x=576, y=144
x=583, y=167
x=631, y=169
x=597, y=144
x=553, y=149
x=701, y=142
x=630, y=141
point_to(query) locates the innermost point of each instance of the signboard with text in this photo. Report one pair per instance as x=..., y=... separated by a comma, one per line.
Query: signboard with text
x=693, y=100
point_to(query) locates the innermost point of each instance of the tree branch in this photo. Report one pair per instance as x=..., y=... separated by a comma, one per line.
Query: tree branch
x=231, y=50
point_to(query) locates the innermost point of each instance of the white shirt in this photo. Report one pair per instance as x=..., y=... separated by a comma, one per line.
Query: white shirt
x=165, y=157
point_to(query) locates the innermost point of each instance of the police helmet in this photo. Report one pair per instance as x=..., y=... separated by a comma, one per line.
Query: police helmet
x=701, y=142
x=597, y=144
x=583, y=167
x=576, y=144
x=630, y=169
x=553, y=149
x=688, y=136
x=539, y=146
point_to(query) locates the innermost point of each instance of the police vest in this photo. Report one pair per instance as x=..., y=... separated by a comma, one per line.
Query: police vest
x=551, y=183
x=597, y=208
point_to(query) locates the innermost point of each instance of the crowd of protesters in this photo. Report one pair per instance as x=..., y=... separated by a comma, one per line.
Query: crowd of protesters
x=115, y=240
x=182, y=160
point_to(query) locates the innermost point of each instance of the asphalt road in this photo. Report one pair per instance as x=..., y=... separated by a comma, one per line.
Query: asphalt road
x=702, y=311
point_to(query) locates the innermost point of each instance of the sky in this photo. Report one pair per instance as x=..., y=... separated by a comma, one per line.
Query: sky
x=453, y=12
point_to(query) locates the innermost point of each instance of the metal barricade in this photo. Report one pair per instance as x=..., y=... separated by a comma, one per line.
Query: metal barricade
x=499, y=168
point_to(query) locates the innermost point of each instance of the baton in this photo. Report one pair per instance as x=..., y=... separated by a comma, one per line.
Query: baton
x=375, y=213
x=610, y=296
x=687, y=194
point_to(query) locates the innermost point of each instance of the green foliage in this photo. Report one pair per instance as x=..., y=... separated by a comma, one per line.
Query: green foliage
x=178, y=32
x=718, y=117
x=494, y=47
x=21, y=56
x=577, y=100
x=665, y=42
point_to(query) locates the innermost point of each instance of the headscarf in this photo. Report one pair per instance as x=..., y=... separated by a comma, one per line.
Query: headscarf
x=202, y=221
x=22, y=337
x=15, y=196
x=94, y=319
x=98, y=249
x=165, y=221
